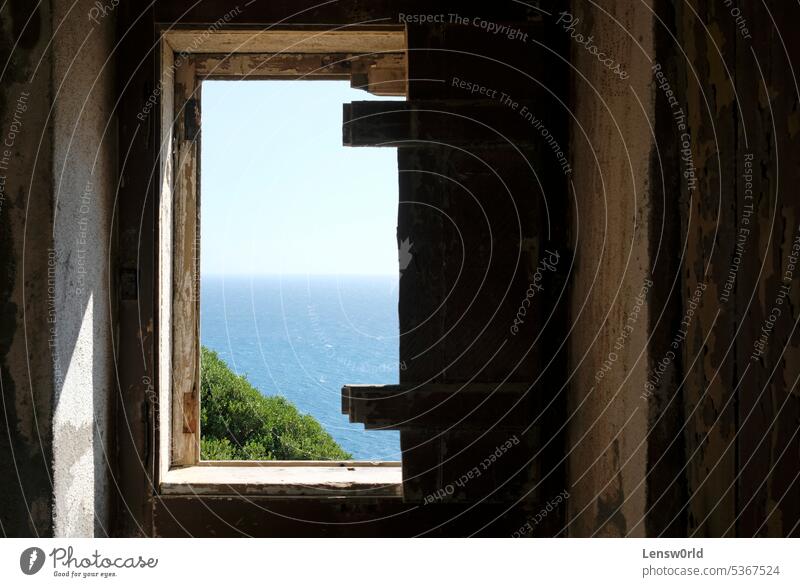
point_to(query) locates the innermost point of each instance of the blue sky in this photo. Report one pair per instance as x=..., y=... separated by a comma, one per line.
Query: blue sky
x=281, y=195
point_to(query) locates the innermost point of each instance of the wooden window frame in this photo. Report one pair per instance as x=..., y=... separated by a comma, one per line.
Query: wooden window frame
x=372, y=57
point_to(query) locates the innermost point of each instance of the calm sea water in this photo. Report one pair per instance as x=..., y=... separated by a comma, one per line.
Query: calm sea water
x=305, y=337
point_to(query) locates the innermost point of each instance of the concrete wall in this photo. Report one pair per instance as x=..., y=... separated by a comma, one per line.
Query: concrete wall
x=84, y=169
x=56, y=349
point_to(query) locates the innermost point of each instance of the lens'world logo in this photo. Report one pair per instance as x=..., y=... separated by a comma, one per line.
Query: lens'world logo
x=31, y=560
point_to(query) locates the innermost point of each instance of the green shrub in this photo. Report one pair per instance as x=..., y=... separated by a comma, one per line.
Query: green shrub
x=238, y=423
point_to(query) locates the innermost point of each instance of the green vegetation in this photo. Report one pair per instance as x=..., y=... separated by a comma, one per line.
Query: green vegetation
x=238, y=423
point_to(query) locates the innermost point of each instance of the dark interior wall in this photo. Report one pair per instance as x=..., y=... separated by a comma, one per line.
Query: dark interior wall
x=136, y=406
x=691, y=430
x=734, y=68
x=27, y=263
x=667, y=491
x=768, y=452
x=489, y=218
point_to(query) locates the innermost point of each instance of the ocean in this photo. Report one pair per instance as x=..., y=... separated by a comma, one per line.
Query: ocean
x=303, y=338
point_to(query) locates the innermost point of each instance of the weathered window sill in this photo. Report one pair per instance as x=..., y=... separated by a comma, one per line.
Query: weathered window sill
x=282, y=479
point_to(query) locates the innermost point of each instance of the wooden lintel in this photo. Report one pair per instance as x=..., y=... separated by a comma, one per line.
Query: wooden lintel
x=255, y=66
x=272, y=40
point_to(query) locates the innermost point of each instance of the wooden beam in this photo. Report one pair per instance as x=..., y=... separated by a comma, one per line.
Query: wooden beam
x=452, y=122
x=387, y=76
x=382, y=74
x=386, y=40
x=315, y=13
x=441, y=406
